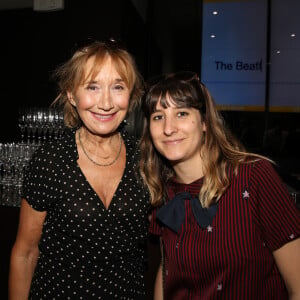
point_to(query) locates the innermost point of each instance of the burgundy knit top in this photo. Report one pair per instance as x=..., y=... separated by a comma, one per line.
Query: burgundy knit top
x=232, y=257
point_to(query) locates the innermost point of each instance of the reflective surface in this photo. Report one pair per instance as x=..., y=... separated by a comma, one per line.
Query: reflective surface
x=36, y=126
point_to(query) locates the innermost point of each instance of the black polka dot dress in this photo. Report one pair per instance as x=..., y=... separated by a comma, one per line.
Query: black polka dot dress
x=86, y=250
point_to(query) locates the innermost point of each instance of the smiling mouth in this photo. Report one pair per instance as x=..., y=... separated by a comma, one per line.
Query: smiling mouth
x=104, y=117
x=172, y=142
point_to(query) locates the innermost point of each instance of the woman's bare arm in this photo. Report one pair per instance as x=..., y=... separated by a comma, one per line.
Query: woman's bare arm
x=288, y=261
x=158, y=285
x=25, y=251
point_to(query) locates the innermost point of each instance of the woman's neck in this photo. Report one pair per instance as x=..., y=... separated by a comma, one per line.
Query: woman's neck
x=188, y=172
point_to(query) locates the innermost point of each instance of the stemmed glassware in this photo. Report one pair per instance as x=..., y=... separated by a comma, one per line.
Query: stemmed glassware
x=37, y=124
x=40, y=123
x=22, y=122
x=14, y=157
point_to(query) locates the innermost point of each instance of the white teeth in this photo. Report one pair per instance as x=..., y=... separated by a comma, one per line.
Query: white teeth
x=104, y=117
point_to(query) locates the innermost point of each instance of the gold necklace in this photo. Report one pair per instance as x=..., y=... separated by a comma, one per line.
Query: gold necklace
x=94, y=162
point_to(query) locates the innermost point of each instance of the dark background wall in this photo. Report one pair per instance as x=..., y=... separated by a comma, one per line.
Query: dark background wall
x=33, y=44
x=163, y=35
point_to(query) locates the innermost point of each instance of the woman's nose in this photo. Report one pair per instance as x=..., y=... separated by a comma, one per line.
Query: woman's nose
x=170, y=126
x=105, y=101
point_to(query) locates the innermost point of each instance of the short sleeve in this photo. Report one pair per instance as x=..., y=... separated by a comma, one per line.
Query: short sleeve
x=40, y=178
x=273, y=206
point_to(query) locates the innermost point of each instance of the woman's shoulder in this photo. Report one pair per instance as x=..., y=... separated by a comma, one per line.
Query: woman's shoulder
x=256, y=168
x=263, y=165
x=259, y=173
x=258, y=163
x=55, y=148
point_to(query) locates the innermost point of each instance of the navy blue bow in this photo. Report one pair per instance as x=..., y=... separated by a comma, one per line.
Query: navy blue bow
x=172, y=214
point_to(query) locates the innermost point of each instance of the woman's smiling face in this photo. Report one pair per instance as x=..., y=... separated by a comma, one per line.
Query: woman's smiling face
x=177, y=132
x=102, y=103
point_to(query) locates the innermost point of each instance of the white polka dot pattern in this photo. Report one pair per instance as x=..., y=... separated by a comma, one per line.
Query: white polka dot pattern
x=87, y=251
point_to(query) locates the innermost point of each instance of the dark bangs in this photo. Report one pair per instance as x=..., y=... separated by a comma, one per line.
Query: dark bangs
x=182, y=93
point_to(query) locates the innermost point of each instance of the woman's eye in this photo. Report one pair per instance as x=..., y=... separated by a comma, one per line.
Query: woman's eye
x=156, y=117
x=182, y=114
x=119, y=87
x=92, y=87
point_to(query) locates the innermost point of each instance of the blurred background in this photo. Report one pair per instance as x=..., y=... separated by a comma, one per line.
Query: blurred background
x=245, y=51
x=260, y=101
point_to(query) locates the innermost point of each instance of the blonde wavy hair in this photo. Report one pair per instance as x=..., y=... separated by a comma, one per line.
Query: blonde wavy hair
x=72, y=74
x=222, y=152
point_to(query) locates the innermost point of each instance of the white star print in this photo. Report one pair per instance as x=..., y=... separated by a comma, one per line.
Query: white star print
x=209, y=228
x=292, y=236
x=220, y=286
x=245, y=194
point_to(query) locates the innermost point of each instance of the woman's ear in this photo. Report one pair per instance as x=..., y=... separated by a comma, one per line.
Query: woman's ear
x=71, y=98
x=203, y=126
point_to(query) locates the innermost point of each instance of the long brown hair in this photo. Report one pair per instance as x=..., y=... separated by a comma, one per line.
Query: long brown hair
x=222, y=151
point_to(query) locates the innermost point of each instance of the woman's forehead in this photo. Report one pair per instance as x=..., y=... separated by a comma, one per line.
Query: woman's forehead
x=101, y=69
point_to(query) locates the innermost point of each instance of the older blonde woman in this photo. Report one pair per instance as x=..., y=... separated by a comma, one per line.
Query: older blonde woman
x=83, y=220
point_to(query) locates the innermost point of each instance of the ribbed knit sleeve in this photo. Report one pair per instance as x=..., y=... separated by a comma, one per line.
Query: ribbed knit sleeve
x=272, y=206
x=154, y=228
